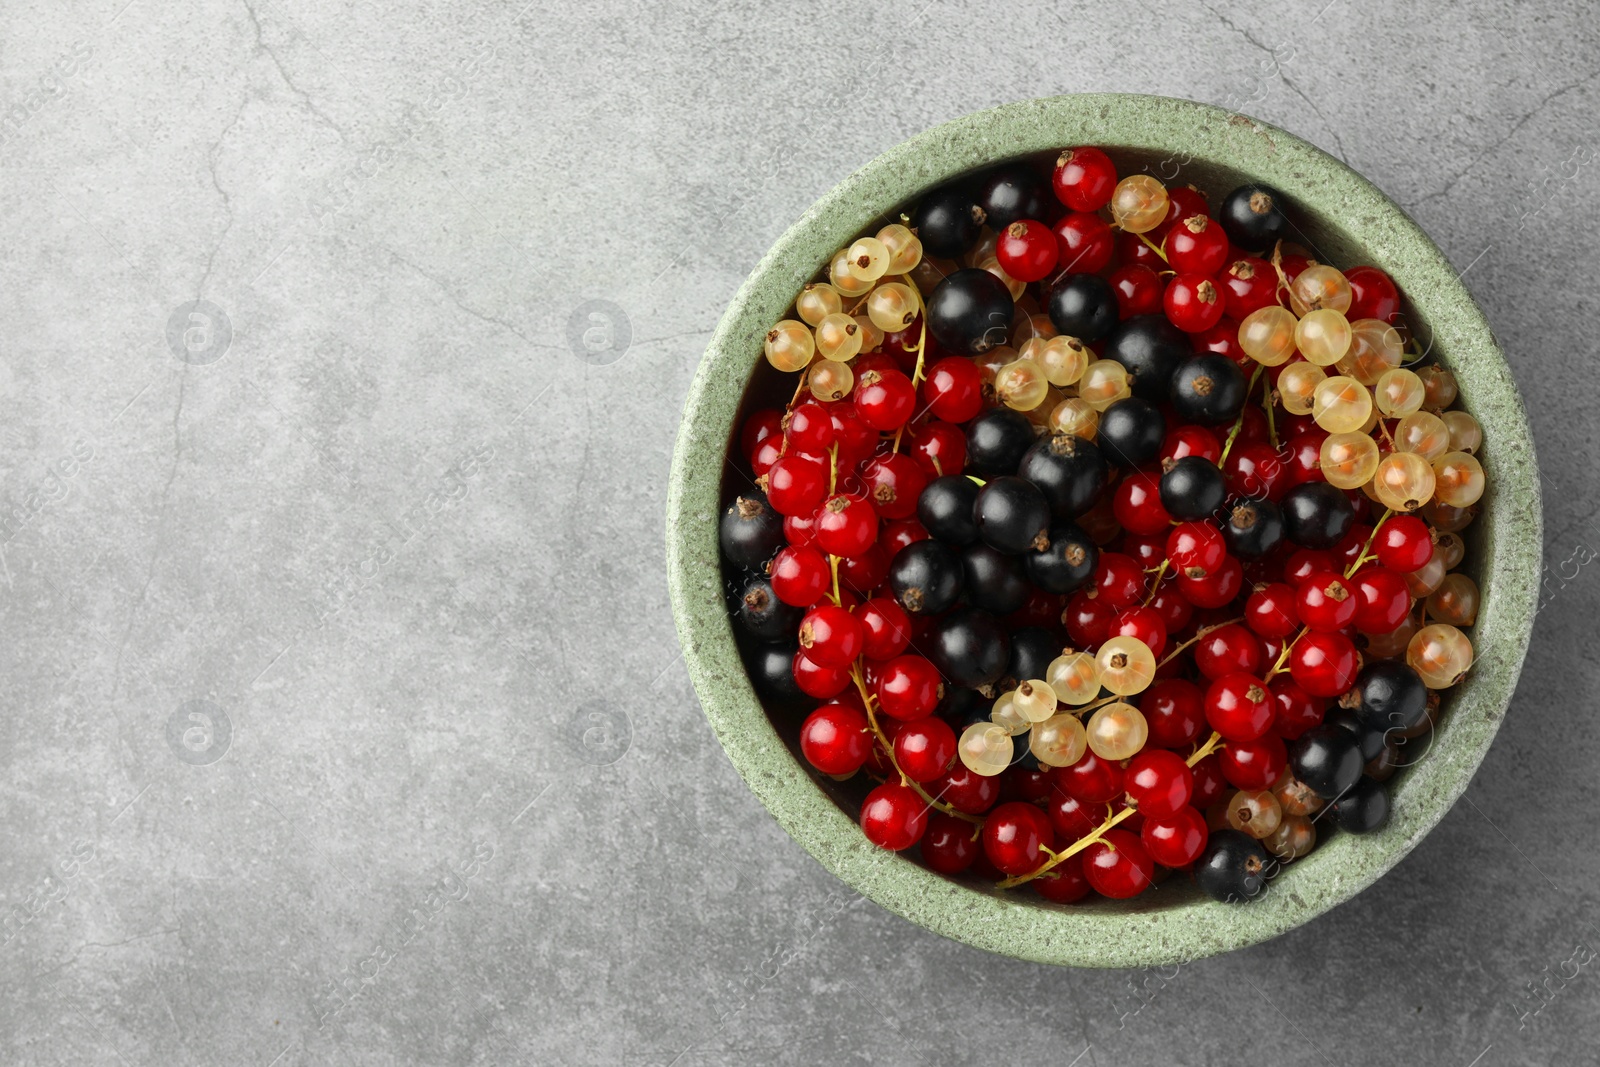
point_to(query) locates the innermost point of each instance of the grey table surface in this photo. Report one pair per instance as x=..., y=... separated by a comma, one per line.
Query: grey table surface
x=345, y=720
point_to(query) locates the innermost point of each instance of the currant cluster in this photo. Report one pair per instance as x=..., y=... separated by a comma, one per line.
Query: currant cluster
x=1110, y=535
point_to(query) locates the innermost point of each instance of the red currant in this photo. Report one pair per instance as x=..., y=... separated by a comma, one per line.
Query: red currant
x=1256, y=470
x=1197, y=245
x=900, y=533
x=1119, y=580
x=1084, y=243
x=1117, y=865
x=893, y=817
x=1209, y=785
x=884, y=399
x=1384, y=599
x=1322, y=664
x=1403, y=544
x=894, y=482
x=824, y=683
x=800, y=576
x=1249, y=284
x=1026, y=250
x=1271, y=611
x=1254, y=764
x=1173, y=609
x=1190, y=441
x=1072, y=818
x=1147, y=549
x=758, y=427
x=1229, y=649
x=1158, y=782
x=1326, y=602
x=1088, y=619
x=766, y=453
x=1305, y=562
x=1015, y=836
x=1238, y=707
x=947, y=845
x=1182, y=201
x=1174, y=711
x=865, y=572
x=1223, y=339
x=1192, y=303
x=1372, y=295
x=1215, y=589
x=967, y=791
x=809, y=428
x=1144, y=624
x=1176, y=840
x=909, y=688
x=1136, y=502
x=854, y=438
x=846, y=526
x=1138, y=288
x=1196, y=548
x=1064, y=883
x=1131, y=250
x=939, y=448
x=1091, y=779
x=835, y=739
x=885, y=628
x=1084, y=179
x=1294, y=710
x=925, y=748
x=953, y=389
x=902, y=345
x=799, y=530
x=830, y=636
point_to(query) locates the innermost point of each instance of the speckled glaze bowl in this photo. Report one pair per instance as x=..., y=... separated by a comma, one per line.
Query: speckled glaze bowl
x=1345, y=219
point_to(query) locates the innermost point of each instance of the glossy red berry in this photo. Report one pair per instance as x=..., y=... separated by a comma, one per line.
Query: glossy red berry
x=1190, y=441
x=1087, y=619
x=797, y=484
x=1015, y=836
x=799, y=529
x=1209, y=785
x=1132, y=249
x=1064, y=883
x=1215, y=589
x=1027, y=250
x=884, y=399
x=1249, y=284
x=1192, y=303
x=768, y=422
x=953, y=389
x=897, y=535
x=1138, y=289
x=894, y=482
x=1196, y=548
x=1403, y=544
x=1084, y=179
x=1177, y=839
x=1158, y=782
x=835, y=739
x=846, y=526
x=1324, y=665
x=909, y=687
x=1229, y=649
x=1084, y=243
x=966, y=790
x=1254, y=764
x=1072, y=818
x=925, y=748
x=1239, y=707
x=1294, y=710
x=1148, y=550
x=1136, y=502
x=1270, y=611
x=1182, y=202
x=1383, y=599
x=1143, y=623
x=893, y=817
x=1255, y=470
x=1118, y=866
x=800, y=576
x=1305, y=562
x=1326, y=602
x=1174, y=711
x=948, y=845
x=1372, y=295
x=939, y=448
x=1118, y=580
x=1197, y=245
x=1174, y=610
x=824, y=683
x=1091, y=779
x=830, y=636
x=854, y=439
x=809, y=428
x=865, y=572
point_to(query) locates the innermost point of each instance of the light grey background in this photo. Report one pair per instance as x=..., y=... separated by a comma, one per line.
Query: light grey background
x=344, y=720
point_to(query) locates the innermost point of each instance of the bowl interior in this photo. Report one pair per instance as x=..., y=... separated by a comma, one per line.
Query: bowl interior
x=1343, y=220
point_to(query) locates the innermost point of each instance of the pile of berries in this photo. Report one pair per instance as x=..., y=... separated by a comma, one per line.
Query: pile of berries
x=1104, y=536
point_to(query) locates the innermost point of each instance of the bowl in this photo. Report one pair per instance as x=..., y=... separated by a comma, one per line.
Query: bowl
x=1346, y=219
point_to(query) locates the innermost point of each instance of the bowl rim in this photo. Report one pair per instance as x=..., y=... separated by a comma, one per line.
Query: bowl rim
x=1128, y=934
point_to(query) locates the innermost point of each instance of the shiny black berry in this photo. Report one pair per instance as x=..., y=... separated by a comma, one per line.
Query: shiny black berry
x=1209, y=389
x=1369, y=739
x=925, y=577
x=763, y=615
x=959, y=704
x=969, y=647
x=995, y=581
x=1252, y=217
x=1067, y=564
x=1316, y=514
x=1032, y=650
x=1131, y=432
x=1327, y=759
x=771, y=670
x=948, y=222
x=750, y=532
x=970, y=311
x=1363, y=809
x=1192, y=488
x=996, y=442
x=1150, y=348
x=1015, y=191
x=1069, y=470
x=1254, y=527
x=1233, y=868
x=1012, y=515
x=945, y=509
x=1082, y=306
x=1392, y=695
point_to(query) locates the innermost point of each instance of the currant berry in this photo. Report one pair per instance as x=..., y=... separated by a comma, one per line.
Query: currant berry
x=1440, y=654
x=1131, y=432
x=1238, y=707
x=926, y=578
x=1192, y=488
x=1174, y=711
x=1326, y=602
x=925, y=749
x=1256, y=470
x=797, y=484
x=1118, y=866
x=1175, y=840
x=953, y=390
x=1272, y=611
x=1144, y=625
x=1327, y=759
x=1392, y=696
x=1068, y=470
x=1138, y=289
x=1158, y=783
x=970, y=648
x=995, y=581
x=996, y=442
x=1082, y=306
x=893, y=817
x=1316, y=514
x=946, y=509
x=1151, y=349
x=1088, y=619
x=970, y=311
x=1027, y=250
x=1248, y=285
x=1193, y=303
x=751, y=531
x=1254, y=765
x=1295, y=710
x=1384, y=599
x=824, y=683
x=939, y=448
x=1252, y=216
x=846, y=526
x=1012, y=515
x=1323, y=664
x=1084, y=179
x=1197, y=245
x=1255, y=527
x=1136, y=502
x=1066, y=563
x=1084, y=243
x=1362, y=810
x=885, y=628
x=1372, y=294
x=1233, y=868
x=948, y=222
x=885, y=399
x=835, y=739
x=1015, y=836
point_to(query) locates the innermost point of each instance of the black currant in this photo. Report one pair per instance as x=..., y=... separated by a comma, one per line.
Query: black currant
x=1233, y=868
x=959, y=704
x=1369, y=739
x=970, y=311
x=1363, y=809
x=1069, y=470
x=1209, y=388
x=994, y=580
x=1150, y=348
x=1192, y=488
x=1254, y=527
x=1066, y=564
x=996, y=442
x=925, y=577
x=771, y=670
x=1327, y=759
x=945, y=509
x=1131, y=432
x=1033, y=648
x=750, y=532
x=1012, y=515
x=1316, y=514
x=948, y=222
x=1392, y=696
x=763, y=615
x=1082, y=306
x=1012, y=192
x=969, y=647
x=1252, y=217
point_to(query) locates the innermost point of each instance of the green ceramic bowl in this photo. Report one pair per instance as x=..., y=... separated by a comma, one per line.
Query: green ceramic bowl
x=1345, y=219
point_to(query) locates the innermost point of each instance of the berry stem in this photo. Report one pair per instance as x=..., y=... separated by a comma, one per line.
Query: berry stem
x=1170, y=656
x=1068, y=852
x=1272, y=425
x=1363, y=556
x=1213, y=743
x=1151, y=245
x=888, y=750
x=1283, y=657
x=1238, y=424
x=1155, y=583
